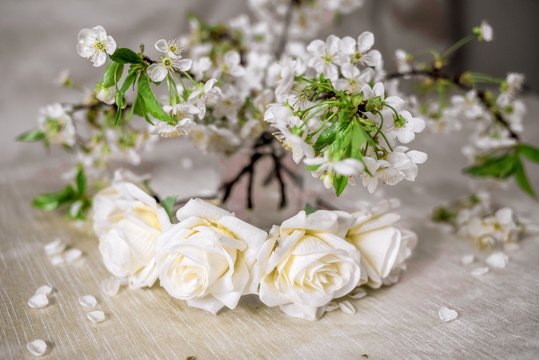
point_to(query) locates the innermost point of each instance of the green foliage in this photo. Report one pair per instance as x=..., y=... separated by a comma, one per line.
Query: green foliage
x=151, y=104
x=443, y=214
x=32, y=135
x=132, y=75
x=113, y=73
x=73, y=195
x=126, y=56
x=309, y=209
x=168, y=205
x=507, y=165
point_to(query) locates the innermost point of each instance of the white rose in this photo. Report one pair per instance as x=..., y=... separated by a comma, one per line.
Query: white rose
x=207, y=258
x=128, y=222
x=383, y=246
x=310, y=265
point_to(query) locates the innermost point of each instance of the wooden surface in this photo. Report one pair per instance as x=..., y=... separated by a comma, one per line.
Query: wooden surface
x=498, y=312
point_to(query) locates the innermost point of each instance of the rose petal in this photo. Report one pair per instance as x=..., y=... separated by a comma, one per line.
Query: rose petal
x=88, y=301
x=479, y=271
x=347, y=308
x=96, y=316
x=467, y=259
x=332, y=306
x=43, y=290
x=357, y=293
x=38, y=301
x=56, y=260
x=72, y=255
x=110, y=287
x=37, y=347
x=446, y=314
x=497, y=260
x=55, y=247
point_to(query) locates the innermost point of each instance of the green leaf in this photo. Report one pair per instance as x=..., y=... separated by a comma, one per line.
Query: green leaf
x=309, y=209
x=126, y=56
x=51, y=201
x=499, y=167
x=150, y=101
x=339, y=183
x=522, y=179
x=326, y=137
x=32, y=135
x=132, y=76
x=113, y=73
x=529, y=152
x=81, y=180
x=359, y=139
x=168, y=205
x=141, y=110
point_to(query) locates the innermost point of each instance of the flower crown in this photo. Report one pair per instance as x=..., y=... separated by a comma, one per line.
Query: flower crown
x=308, y=265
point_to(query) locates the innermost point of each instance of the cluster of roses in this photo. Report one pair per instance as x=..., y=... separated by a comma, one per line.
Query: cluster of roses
x=210, y=258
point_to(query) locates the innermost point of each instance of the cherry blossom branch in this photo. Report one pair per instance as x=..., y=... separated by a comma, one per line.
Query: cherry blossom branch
x=456, y=80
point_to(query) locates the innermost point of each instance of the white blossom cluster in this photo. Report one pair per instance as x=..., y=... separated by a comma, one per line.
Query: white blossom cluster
x=476, y=219
x=354, y=70
x=210, y=258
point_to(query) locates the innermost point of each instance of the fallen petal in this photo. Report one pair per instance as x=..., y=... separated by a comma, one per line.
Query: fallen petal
x=55, y=247
x=467, y=259
x=38, y=301
x=43, y=290
x=56, y=260
x=37, y=347
x=497, y=260
x=347, y=308
x=446, y=314
x=332, y=306
x=96, y=316
x=479, y=271
x=88, y=301
x=357, y=293
x=72, y=255
x=110, y=287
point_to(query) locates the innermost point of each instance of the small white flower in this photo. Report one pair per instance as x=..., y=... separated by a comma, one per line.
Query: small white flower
x=406, y=161
x=169, y=48
x=404, y=61
x=95, y=44
x=485, y=32
x=327, y=168
x=405, y=126
x=231, y=65
x=158, y=71
x=354, y=79
x=207, y=94
x=57, y=125
x=104, y=94
x=324, y=56
x=379, y=171
x=378, y=90
x=360, y=52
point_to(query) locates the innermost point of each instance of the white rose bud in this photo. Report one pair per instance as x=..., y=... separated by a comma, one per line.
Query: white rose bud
x=310, y=265
x=128, y=222
x=208, y=258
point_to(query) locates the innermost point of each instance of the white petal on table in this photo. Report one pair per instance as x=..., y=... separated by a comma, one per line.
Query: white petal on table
x=37, y=347
x=446, y=314
x=497, y=260
x=38, y=301
x=72, y=255
x=110, y=287
x=55, y=247
x=347, y=308
x=88, y=301
x=332, y=306
x=96, y=316
x=44, y=290
x=467, y=259
x=357, y=293
x=479, y=271
x=56, y=260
